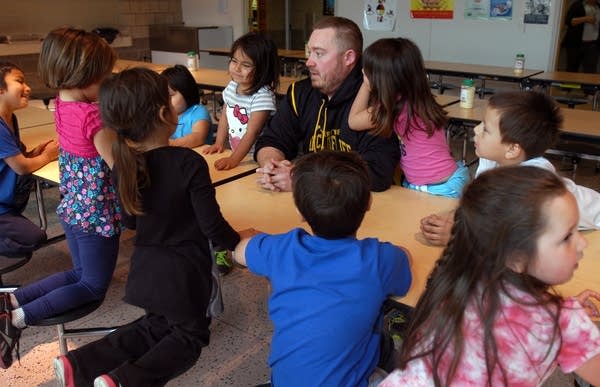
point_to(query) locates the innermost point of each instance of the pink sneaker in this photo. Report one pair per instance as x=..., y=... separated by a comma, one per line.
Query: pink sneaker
x=105, y=381
x=63, y=370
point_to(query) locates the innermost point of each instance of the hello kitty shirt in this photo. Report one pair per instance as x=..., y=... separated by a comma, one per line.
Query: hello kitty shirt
x=240, y=107
x=524, y=336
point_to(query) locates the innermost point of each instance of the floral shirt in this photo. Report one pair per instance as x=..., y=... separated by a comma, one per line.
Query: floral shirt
x=89, y=199
x=523, y=336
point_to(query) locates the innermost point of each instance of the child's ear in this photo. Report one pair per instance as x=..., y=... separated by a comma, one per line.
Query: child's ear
x=513, y=152
x=370, y=202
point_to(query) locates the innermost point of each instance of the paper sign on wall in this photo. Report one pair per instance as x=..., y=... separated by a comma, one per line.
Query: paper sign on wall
x=379, y=15
x=432, y=9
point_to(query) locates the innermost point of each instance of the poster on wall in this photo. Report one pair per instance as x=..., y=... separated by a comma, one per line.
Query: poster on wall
x=379, y=15
x=432, y=9
x=501, y=9
x=537, y=11
x=477, y=9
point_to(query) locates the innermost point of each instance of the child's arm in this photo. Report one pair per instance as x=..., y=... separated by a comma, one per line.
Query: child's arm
x=28, y=162
x=255, y=125
x=240, y=250
x=359, y=117
x=198, y=136
x=103, y=141
x=222, y=128
x=590, y=371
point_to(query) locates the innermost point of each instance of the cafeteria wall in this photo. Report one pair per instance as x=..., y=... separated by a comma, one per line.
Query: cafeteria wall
x=491, y=42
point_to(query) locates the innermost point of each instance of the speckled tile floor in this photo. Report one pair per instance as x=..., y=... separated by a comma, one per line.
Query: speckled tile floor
x=237, y=354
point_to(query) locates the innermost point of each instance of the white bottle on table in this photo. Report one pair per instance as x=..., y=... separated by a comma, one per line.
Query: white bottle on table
x=467, y=93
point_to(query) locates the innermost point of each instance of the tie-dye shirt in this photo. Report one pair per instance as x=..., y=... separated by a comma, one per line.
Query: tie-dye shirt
x=523, y=336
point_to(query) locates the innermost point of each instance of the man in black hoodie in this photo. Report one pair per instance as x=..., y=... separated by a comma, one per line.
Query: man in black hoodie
x=313, y=116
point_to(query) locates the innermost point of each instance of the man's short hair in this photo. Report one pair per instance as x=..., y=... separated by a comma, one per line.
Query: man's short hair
x=347, y=33
x=331, y=191
x=530, y=119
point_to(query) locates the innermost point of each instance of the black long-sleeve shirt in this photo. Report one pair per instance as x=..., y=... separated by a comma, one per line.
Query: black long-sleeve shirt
x=170, y=270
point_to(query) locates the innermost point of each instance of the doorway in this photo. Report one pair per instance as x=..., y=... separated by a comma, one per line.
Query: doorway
x=272, y=16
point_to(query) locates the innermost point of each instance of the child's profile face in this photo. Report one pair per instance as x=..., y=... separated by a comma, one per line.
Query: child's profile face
x=488, y=139
x=177, y=101
x=560, y=246
x=16, y=94
x=241, y=69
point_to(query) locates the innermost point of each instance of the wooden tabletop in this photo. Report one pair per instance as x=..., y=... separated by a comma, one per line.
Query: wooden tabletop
x=478, y=71
x=394, y=217
x=123, y=64
x=475, y=114
x=446, y=100
x=584, y=79
x=33, y=116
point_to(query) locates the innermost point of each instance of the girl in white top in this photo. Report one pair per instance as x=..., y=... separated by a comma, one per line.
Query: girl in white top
x=249, y=99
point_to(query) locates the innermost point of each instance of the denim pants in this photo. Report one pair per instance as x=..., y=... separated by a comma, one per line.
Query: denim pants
x=94, y=258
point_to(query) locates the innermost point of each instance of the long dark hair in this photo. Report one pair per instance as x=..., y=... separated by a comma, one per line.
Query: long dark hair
x=496, y=225
x=180, y=79
x=263, y=53
x=395, y=69
x=132, y=103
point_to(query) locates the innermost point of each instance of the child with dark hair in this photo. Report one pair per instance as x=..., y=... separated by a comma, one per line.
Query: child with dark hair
x=395, y=97
x=327, y=288
x=249, y=98
x=17, y=234
x=167, y=196
x=489, y=315
x=194, y=126
x=518, y=127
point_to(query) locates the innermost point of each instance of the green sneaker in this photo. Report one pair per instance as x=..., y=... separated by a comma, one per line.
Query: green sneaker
x=223, y=260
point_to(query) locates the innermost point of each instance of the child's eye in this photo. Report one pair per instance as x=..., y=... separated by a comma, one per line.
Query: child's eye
x=568, y=236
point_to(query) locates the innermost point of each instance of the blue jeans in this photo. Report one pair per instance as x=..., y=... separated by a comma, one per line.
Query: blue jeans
x=94, y=258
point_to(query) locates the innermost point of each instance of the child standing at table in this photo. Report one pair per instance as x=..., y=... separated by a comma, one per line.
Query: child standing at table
x=395, y=97
x=517, y=129
x=327, y=288
x=75, y=62
x=167, y=196
x=249, y=99
x=489, y=315
x=194, y=126
x=17, y=233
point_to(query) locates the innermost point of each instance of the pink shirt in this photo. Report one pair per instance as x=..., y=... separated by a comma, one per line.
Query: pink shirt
x=522, y=335
x=76, y=125
x=424, y=160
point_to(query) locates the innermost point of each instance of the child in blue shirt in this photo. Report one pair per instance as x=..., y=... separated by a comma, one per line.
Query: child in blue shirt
x=328, y=287
x=195, y=126
x=17, y=233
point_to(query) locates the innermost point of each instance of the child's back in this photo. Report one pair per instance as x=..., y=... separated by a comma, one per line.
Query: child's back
x=327, y=288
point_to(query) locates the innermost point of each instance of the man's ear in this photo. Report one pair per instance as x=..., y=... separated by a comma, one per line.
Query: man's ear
x=350, y=57
x=513, y=151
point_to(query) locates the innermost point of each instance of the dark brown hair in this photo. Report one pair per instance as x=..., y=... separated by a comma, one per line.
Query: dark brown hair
x=132, y=103
x=74, y=59
x=263, y=53
x=347, y=33
x=331, y=191
x=530, y=119
x=5, y=69
x=180, y=79
x=497, y=224
x=396, y=72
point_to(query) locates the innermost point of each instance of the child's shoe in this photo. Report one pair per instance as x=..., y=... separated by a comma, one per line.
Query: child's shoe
x=106, y=381
x=9, y=339
x=223, y=260
x=63, y=370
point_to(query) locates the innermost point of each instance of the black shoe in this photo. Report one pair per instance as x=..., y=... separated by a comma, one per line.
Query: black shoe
x=9, y=339
x=5, y=304
x=223, y=260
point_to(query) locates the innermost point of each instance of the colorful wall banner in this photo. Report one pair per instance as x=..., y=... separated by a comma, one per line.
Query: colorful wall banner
x=432, y=9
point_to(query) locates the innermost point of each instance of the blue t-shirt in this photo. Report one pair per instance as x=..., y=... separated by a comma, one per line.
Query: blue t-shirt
x=326, y=303
x=188, y=118
x=9, y=146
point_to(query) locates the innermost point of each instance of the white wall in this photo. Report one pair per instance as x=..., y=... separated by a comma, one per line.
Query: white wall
x=456, y=40
x=216, y=13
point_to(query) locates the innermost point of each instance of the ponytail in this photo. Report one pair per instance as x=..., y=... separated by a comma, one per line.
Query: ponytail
x=131, y=175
